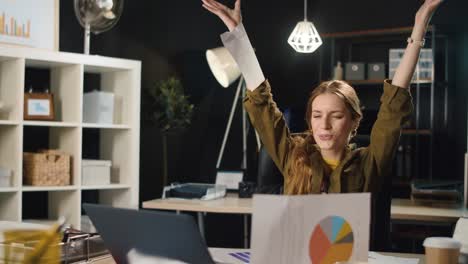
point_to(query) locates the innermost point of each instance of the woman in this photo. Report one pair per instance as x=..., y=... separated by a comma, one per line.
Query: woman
x=323, y=161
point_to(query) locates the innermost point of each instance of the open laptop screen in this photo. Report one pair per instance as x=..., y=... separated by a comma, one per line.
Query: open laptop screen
x=167, y=235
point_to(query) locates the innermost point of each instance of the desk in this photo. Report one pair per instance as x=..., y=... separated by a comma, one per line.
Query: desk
x=412, y=221
x=220, y=255
x=401, y=209
x=405, y=209
x=231, y=204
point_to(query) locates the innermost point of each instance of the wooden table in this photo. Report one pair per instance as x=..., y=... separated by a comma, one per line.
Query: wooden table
x=401, y=209
x=220, y=255
x=405, y=209
x=231, y=204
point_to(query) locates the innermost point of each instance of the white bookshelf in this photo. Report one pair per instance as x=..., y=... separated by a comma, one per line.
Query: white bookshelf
x=106, y=187
x=119, y=142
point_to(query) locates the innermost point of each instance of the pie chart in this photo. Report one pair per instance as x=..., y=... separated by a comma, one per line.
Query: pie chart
x=331, y=240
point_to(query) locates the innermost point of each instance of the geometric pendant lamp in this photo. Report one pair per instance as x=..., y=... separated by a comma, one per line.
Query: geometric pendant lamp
x=305, y=38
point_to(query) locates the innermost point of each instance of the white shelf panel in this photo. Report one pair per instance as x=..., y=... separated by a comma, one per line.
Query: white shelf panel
x=6, y=58
x=50, y=59
x=103, y=68
x=9, y=122
x=43, y=64
x=49, y=188
x=106, y=126
x=106, y=187
x=50, y=124
x=8, y=189
x=43, y=222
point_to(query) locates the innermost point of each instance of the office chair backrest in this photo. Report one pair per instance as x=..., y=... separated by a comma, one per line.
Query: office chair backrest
x=380, y=207
x=380, y=217
x=269, y=178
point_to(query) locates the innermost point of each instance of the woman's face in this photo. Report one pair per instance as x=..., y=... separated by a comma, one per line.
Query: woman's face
x=331, y=122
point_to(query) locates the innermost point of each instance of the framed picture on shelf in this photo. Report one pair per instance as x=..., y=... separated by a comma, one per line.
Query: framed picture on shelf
x=39, y=106
x=30, y=23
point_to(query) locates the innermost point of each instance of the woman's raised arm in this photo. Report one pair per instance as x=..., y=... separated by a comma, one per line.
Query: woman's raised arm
x=405, y=69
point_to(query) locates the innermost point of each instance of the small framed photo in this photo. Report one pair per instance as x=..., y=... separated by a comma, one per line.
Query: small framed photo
x=38, y=106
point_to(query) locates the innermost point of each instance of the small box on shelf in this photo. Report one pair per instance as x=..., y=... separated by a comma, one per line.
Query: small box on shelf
x=96, y=172
x=5, y=177
x=375, y=71
x=98, y=107
x=354, y=71
x=47, y=168
x=4, y=110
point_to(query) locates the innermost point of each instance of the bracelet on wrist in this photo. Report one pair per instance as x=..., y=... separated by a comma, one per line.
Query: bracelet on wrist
x=421, y=43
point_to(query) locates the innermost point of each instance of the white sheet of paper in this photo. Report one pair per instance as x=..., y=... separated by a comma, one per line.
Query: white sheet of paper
x=286, y=229
x=229, y=178
x=136, y=257
x=376, y=258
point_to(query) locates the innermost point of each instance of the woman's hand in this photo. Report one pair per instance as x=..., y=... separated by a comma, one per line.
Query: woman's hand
x=426, y=11
x=230, y=17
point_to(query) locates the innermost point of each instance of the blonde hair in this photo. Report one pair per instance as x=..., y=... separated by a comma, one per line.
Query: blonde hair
x=300, y=170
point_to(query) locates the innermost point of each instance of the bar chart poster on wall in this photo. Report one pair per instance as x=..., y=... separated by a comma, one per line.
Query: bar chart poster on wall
x=317, y=229
x=29, y=23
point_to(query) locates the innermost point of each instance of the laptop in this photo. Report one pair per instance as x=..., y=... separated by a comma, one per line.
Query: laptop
x=164, y=235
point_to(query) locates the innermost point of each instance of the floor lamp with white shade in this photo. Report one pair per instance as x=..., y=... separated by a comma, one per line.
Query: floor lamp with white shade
x=225, y=70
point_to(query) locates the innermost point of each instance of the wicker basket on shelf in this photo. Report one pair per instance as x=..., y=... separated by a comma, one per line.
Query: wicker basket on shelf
x=46, y=168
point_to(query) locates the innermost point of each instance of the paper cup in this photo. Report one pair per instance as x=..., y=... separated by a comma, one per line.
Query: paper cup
x=441, y=250
x=463, y=259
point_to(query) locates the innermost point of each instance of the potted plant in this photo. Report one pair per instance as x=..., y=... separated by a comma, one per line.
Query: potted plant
x=167, y=107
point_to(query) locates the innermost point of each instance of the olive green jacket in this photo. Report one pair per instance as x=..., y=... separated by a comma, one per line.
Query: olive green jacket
x=362, y=169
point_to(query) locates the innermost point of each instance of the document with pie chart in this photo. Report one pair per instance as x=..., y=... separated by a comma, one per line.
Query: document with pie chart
x=317, y=229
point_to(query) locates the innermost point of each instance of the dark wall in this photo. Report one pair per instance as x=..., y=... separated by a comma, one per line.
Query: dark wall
x=459, y=135
x=170, y=38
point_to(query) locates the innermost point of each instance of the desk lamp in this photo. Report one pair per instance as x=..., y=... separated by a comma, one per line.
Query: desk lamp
x=225, y=70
